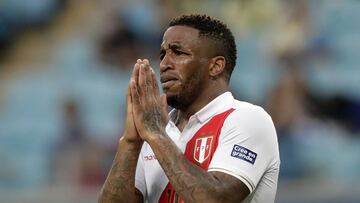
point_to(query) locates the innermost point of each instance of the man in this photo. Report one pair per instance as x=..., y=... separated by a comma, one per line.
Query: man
x=211, y=147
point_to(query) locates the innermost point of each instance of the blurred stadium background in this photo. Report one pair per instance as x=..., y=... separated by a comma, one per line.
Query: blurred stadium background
x=65, y=65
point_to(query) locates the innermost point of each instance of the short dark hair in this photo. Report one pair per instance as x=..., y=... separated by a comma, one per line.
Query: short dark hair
x=215, y=30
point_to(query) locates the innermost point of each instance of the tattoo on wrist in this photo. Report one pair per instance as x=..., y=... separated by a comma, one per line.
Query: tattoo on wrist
x=152, y=120
x=120, y=185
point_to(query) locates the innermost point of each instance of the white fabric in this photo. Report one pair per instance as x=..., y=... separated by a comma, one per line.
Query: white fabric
x=249, y=126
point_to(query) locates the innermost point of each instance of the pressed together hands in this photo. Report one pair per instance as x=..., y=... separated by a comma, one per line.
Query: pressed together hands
x=147, y=113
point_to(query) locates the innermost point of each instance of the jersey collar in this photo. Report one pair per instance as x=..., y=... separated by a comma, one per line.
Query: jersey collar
x=218, y=105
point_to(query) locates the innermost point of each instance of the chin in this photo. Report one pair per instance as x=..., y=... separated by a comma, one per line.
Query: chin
x=171, y=94
x=181, y=97
x=177, y=101
x=173, y=101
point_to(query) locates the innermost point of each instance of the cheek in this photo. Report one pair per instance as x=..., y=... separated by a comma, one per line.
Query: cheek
x=184, y=69
x=189, y=67
x=192, y=78
x=183, y=63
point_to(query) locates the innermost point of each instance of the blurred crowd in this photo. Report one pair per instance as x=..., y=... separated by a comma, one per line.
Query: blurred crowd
x=65, y=66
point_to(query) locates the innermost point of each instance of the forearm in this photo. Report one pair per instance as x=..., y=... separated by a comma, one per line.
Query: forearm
x=120, y=183
x=192, y=183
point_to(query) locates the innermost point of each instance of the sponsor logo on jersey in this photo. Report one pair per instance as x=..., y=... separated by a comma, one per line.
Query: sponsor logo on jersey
x=244, y=154
x=149, y=157
x=202, y=149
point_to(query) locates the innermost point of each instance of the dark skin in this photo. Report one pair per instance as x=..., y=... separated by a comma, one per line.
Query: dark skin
x=184, y=55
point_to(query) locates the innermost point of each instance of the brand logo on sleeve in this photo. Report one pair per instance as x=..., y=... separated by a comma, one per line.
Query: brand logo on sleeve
x=202, y=149
x=244, y=154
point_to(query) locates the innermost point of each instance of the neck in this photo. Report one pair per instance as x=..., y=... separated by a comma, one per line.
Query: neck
x=205, y=97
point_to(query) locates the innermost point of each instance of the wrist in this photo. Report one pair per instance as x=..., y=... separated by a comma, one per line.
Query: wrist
x=130, y=143
x=154, y=137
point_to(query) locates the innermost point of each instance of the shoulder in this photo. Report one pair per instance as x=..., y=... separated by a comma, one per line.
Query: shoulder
x=249, y=115
x=250, y=126
x=249, y=122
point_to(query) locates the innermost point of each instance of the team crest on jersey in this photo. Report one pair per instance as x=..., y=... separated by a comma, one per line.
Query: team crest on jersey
x=202, y=149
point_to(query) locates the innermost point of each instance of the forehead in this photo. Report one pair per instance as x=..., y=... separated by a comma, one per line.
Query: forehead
x=183, y=35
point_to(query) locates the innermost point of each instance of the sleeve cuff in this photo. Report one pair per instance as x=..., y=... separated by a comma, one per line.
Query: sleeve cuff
x=241, y=177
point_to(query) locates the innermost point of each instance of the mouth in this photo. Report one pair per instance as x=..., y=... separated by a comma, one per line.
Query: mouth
x=168, y=80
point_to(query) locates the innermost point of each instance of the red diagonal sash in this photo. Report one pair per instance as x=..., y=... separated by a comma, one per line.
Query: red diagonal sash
x=199, y=150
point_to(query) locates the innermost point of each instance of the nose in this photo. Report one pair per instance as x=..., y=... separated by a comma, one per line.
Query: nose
x=166, y=63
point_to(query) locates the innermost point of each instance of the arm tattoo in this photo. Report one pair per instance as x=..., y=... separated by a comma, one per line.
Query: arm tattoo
x=153, y=121
x=120, y=183
x=191, y=182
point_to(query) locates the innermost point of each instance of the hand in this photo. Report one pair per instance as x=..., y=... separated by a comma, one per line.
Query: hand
x=149, y=108
x=130, y=134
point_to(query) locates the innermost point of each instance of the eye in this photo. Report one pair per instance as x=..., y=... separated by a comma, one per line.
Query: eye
x=162, y=55
x=177, y=52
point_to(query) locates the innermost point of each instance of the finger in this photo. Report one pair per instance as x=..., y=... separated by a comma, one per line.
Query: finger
x=142, y=78
x=134, y=77
x=147, y=68
x=134, y=93
x=128, y=101
x=135, y=73
x=148, y=80
x=146, y=61
x=154, y=81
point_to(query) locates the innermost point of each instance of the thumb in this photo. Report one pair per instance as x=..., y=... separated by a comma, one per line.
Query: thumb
x=128, y=101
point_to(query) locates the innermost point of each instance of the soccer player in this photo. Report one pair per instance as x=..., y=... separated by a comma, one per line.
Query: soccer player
x=210, y=147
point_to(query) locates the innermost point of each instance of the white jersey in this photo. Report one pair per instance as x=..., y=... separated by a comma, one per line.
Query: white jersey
x=229, y=136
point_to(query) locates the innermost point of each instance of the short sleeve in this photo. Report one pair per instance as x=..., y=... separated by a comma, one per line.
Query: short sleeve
x=140, y=182
x=247, y=146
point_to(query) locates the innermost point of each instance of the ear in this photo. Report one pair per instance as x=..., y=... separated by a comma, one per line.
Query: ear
x=217, y=66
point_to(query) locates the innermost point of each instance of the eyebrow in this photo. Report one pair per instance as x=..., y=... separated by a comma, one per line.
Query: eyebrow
x=174, y=45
